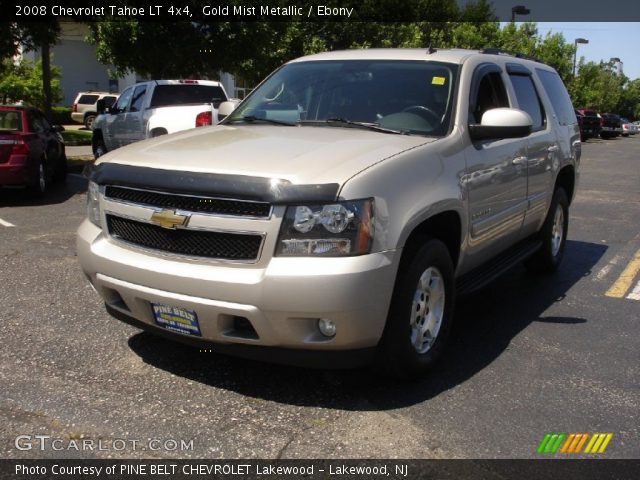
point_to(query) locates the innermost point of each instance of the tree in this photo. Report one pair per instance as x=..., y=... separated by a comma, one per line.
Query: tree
x=597, y=86
x=23, y=82
x=32, y=36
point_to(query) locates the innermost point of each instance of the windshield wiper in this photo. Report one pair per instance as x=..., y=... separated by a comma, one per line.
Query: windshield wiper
x=369, y=126
x=253, y=118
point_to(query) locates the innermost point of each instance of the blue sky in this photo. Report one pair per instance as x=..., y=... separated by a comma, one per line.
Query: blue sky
x=606, y=40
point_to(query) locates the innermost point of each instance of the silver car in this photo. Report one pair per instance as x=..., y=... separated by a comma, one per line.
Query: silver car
x=335, y=214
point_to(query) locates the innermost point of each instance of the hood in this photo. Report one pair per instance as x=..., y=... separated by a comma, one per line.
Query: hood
x=300, y=154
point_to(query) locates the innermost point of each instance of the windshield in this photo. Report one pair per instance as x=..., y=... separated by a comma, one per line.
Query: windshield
x=414, y=97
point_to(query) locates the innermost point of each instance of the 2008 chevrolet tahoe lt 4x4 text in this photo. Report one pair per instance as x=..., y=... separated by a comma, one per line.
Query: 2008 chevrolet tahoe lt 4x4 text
x=334, y=215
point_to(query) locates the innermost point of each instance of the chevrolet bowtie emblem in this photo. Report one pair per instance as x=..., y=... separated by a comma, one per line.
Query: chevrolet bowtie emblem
x=169, y=219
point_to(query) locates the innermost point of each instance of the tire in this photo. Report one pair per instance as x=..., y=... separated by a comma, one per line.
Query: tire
x=553, y=235
x=88, y=121
x=40, y=183
x=421, y=313
x=158, y=132
x=99, y=148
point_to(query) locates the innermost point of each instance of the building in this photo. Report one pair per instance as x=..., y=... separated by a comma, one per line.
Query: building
x=81, y=70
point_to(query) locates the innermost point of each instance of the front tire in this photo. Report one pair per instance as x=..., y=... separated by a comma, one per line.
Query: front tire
x=421, y=313
x=553, y=235
x=99, y=148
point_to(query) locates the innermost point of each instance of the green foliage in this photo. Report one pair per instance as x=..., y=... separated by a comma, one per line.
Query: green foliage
x=61, y=116
x=597, y=86
x=23, y=82
x=629, y=104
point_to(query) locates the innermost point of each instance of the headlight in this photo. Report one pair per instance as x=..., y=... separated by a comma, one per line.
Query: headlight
x=332, y=230
x=93, y=204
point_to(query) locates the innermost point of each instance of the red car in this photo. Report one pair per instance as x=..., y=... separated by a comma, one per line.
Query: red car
x=31, y=149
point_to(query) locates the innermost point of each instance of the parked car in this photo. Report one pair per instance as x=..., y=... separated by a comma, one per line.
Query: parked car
x=332, y=218
x=32, y=153
x=155, y=108
x=628, y=128
x=611, y=125
x=589, y=122
x=85, y=106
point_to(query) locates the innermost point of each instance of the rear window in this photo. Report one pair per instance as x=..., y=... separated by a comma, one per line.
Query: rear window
x=10, y=120
x=559, y=97
x=167, y=95
x=88, y=99
x=109, y=100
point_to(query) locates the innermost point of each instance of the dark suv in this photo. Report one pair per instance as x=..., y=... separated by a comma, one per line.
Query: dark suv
x=611, y=125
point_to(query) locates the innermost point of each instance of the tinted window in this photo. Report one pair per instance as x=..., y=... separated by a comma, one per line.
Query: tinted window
x=138, y=97
x=558, y=95
x=35, y=122
x=528, y=99
x=108, y=101
x=491, y=94
x=167, y=95
x=88, y=99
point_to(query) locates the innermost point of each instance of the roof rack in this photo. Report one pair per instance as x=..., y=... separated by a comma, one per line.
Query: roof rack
x=499, y=51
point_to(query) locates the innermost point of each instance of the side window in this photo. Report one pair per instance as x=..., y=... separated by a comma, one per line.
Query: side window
x=123, y=101
x=109, y=101
x=557, y=93
x=138, y=97
x=35, y=123
x=491, y=94
x=44, y=122
x=528, y=99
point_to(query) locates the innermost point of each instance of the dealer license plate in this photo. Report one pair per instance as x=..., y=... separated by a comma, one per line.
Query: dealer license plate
x=176, y=319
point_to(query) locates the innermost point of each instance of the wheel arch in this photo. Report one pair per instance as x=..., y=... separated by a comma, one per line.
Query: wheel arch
x=566, y=179
x=445, y=226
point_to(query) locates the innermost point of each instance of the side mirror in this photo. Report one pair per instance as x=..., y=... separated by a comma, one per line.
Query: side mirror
x=499, y=123
x=226, y=108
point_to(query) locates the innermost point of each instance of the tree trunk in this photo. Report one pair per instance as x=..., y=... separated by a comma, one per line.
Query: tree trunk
x=46, y=80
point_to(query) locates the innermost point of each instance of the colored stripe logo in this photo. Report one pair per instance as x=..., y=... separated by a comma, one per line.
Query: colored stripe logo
x=572, y=443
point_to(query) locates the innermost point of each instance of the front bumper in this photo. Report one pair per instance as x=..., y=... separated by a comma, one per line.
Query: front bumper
x=281, y=299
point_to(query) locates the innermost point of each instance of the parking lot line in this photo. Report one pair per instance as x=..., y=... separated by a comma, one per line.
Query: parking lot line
x=635, y=293
x=4, y=223
x=624, y=281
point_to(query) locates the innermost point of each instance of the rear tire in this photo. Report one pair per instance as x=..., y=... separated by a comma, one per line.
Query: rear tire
x=421, y=313
x=40, y=183
x=553, y=235
x=88, y=121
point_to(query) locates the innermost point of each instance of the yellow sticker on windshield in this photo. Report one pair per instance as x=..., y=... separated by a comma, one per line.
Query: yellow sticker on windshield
x=437, y=81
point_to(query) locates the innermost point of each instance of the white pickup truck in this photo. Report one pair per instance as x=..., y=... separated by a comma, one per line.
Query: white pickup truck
x=154, y=108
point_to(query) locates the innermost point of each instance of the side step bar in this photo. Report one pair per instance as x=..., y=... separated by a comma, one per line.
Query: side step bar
x=481, y=276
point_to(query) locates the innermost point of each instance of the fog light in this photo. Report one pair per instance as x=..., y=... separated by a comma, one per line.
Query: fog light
x=327, y=327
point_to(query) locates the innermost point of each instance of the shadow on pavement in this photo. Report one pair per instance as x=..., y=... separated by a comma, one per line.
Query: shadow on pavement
x=486, y=323
x=57, y=193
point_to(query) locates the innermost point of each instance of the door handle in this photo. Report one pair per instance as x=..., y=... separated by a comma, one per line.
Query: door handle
x=552, y=148
x=519, y=160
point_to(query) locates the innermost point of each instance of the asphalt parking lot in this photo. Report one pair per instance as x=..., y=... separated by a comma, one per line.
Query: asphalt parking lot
x=530, y=355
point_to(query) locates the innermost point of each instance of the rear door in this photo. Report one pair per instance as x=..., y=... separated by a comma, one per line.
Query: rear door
x=542, y=147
